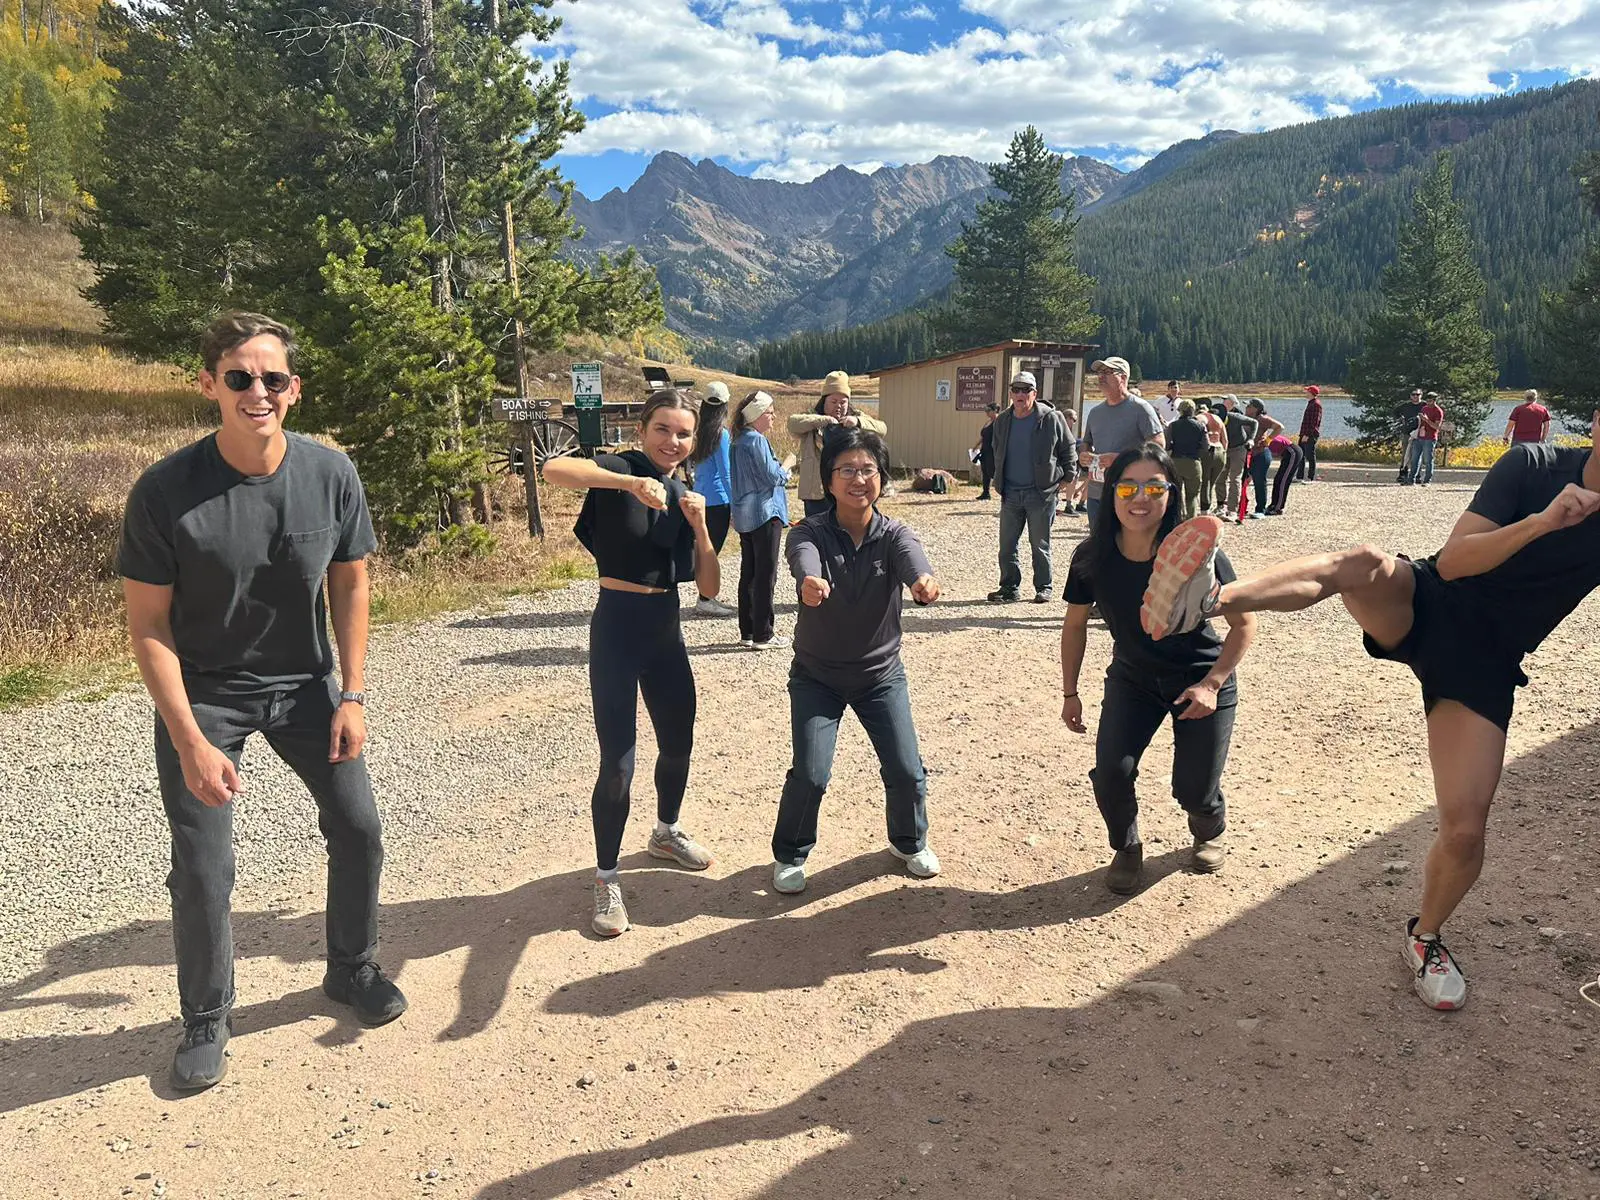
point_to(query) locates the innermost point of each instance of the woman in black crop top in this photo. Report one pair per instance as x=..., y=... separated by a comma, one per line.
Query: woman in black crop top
x=648, y=534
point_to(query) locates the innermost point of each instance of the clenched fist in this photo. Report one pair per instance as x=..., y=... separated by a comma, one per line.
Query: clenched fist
x=693, y=505
x=1571, y=505
x=814, y=590
x=652, y=493
x=925, y=590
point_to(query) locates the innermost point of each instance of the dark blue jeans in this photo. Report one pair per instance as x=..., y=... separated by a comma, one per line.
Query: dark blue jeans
x=1260, y=464
x=1036, y=510
x=884, y=710
x=296, y=726
x=1134, y=707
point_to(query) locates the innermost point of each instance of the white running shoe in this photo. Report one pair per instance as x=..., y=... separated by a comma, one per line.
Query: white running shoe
x=924, y=864
x=772, y=643
x=1183, y=582
x=711, y=607
x=610, y=916
x=788, y=878
x=1437, y=978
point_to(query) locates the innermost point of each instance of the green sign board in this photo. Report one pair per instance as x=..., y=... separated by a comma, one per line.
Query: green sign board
x=586, y=385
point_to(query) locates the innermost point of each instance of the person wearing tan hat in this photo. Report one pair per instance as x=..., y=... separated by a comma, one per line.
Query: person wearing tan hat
x=833, y=411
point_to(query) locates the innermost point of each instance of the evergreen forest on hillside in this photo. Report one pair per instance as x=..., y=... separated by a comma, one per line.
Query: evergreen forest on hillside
x=1261, y=258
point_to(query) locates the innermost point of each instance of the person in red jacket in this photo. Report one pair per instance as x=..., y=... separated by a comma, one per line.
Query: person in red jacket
x=1310, y=431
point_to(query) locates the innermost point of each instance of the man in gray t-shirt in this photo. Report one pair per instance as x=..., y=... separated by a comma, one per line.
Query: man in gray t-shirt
x=225, y=548
x=1121, y=422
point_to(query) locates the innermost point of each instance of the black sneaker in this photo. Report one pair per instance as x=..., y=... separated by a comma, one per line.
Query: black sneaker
x=1003, y=596
x=376, y=1000
x=202, y=1059
x=1126, y=871
x=1042, y=596
x=983, y=495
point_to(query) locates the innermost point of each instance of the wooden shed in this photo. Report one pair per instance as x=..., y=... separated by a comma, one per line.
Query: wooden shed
x=935, y=408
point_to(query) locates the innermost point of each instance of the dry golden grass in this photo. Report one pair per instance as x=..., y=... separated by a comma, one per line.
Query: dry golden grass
x=41, y=278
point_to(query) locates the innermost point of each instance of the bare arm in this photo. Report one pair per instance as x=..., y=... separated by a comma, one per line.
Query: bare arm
x=1074, y=641
x=1477, y=545
x=1506, y=436
x=573, y=472
x=1201, y=699
x=207, y=772
x=349, y=605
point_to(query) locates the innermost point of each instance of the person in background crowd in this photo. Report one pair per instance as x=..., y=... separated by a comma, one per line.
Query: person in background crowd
x=648, y=534
x=1241, y=432
x=1267, y=428
x=1419, y=452
x=1166, y=405
x=1310, y=432
x=1034, y=461
x=1120, y=422
x=1187, y=442
x=712, y=479
x=1189, y=679
x=1077, y=498
x=760, y=512
x=1529, y=422
x=985, y=448
x=226, y=546
x=1290, y=459
x=1407, y=415
x=1214, y=467
x=1519, y=561
x=850, y=565
x=833, y=411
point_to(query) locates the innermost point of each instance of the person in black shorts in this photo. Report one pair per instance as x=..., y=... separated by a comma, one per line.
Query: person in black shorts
x=1189, y=678
x=226, y=547
x=648, y=534
x=1520, y=559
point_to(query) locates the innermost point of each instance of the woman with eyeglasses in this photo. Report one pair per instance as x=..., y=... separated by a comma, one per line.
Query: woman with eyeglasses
x=760, y=512
x=1188, y=678
x=851, y=563
x=648, y=534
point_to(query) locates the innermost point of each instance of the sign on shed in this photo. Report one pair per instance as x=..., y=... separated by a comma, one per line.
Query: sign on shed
x=974, y=388
x=941, y=391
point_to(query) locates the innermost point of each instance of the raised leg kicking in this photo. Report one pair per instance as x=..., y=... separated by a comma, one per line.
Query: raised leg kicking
x=1519, y=560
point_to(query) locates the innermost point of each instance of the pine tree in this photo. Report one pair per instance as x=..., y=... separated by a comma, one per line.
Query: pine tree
x=1568, y=347
x=1016, y=268
x=1429, y=331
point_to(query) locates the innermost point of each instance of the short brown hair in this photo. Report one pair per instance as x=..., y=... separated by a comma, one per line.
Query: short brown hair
x=232, y=330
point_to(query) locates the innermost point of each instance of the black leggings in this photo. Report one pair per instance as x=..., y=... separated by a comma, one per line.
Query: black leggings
x=758, y=579
x=1134, y=707
x=636, y=645
x=1289, y=465
x=717, y=516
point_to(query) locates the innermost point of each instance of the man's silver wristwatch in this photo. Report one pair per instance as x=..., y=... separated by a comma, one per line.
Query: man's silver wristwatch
x=353, y=698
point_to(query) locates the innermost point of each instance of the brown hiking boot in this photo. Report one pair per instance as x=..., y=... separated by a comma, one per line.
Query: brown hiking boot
x=1126, y=871
x=1209, y=856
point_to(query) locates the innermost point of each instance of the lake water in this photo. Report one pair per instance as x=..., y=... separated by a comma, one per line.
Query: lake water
x=1336, y=417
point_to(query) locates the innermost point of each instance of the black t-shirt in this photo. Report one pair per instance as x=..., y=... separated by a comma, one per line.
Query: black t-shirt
x=1186, y=438
x=1535, y=589
x=630, y=540
x=1119, y=595
x=245, y=556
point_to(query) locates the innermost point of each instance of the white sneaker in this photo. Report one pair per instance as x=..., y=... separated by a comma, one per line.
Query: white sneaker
x=772, y=643
x=924, y=864
x=789, y=878
x=712, y=607
x=747, y=643
x=610, y=917
x=1438, y=980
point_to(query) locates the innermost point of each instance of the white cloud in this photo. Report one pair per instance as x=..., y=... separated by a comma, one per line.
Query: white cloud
x=750, y=80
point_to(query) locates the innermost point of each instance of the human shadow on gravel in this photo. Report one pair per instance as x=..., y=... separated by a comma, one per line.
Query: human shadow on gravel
x=566, y=619
x=1282, y=1053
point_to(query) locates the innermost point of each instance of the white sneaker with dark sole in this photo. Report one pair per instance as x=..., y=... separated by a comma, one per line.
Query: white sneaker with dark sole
x=1183, y=581
x=1436, y=977
x=772, y=643
x=924, y=864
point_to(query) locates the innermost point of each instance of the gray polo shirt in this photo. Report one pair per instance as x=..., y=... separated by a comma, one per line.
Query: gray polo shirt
x=851, y=641
x=1113, y=428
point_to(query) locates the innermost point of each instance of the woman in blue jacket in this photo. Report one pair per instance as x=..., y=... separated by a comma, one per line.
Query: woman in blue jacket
x=760, y=513
x=709, y=462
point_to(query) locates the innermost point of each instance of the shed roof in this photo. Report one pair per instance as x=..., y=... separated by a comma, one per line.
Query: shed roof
x=1073, y=348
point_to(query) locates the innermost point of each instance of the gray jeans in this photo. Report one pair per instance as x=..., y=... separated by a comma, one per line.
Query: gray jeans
x=1036, y=510
x=1235, y=475
x=296, y=726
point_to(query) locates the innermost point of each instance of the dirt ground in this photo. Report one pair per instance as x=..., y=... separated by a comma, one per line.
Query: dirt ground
x=1009, y=1029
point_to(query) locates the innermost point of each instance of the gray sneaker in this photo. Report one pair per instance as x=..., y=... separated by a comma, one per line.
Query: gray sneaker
x=924, y=864
x=788, y=878
x=202, y=1057
x=680, y=848
x=610, y=917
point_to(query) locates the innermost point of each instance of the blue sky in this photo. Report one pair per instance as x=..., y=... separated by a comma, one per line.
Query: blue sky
x=787, y=89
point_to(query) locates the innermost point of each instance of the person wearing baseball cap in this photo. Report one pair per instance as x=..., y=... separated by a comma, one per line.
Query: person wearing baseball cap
x=1310, y=431
x=833, y=411
x=1121, y=422
x=1035, y=457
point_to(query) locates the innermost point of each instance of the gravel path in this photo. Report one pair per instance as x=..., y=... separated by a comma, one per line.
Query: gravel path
x=1007, y=1029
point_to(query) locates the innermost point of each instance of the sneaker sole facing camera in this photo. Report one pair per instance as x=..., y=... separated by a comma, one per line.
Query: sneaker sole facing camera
x=1183, y=578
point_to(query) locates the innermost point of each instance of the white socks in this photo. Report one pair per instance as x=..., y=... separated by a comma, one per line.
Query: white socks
x=610, y=876
x=662, y=828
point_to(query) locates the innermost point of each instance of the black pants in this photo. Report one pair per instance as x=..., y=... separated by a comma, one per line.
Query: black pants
x=986, y=464
x=758, y=578
x=296, y=725
x=1288, y=471
x=884, y=710
x=717, y=516
x=1132, y=711
x=1308, y=446
x=1260, y=464
x=636, y=646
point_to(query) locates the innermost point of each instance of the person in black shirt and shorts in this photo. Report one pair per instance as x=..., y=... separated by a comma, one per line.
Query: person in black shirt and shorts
x=1520, y=559
x=1188, y=678
x=648, y=534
